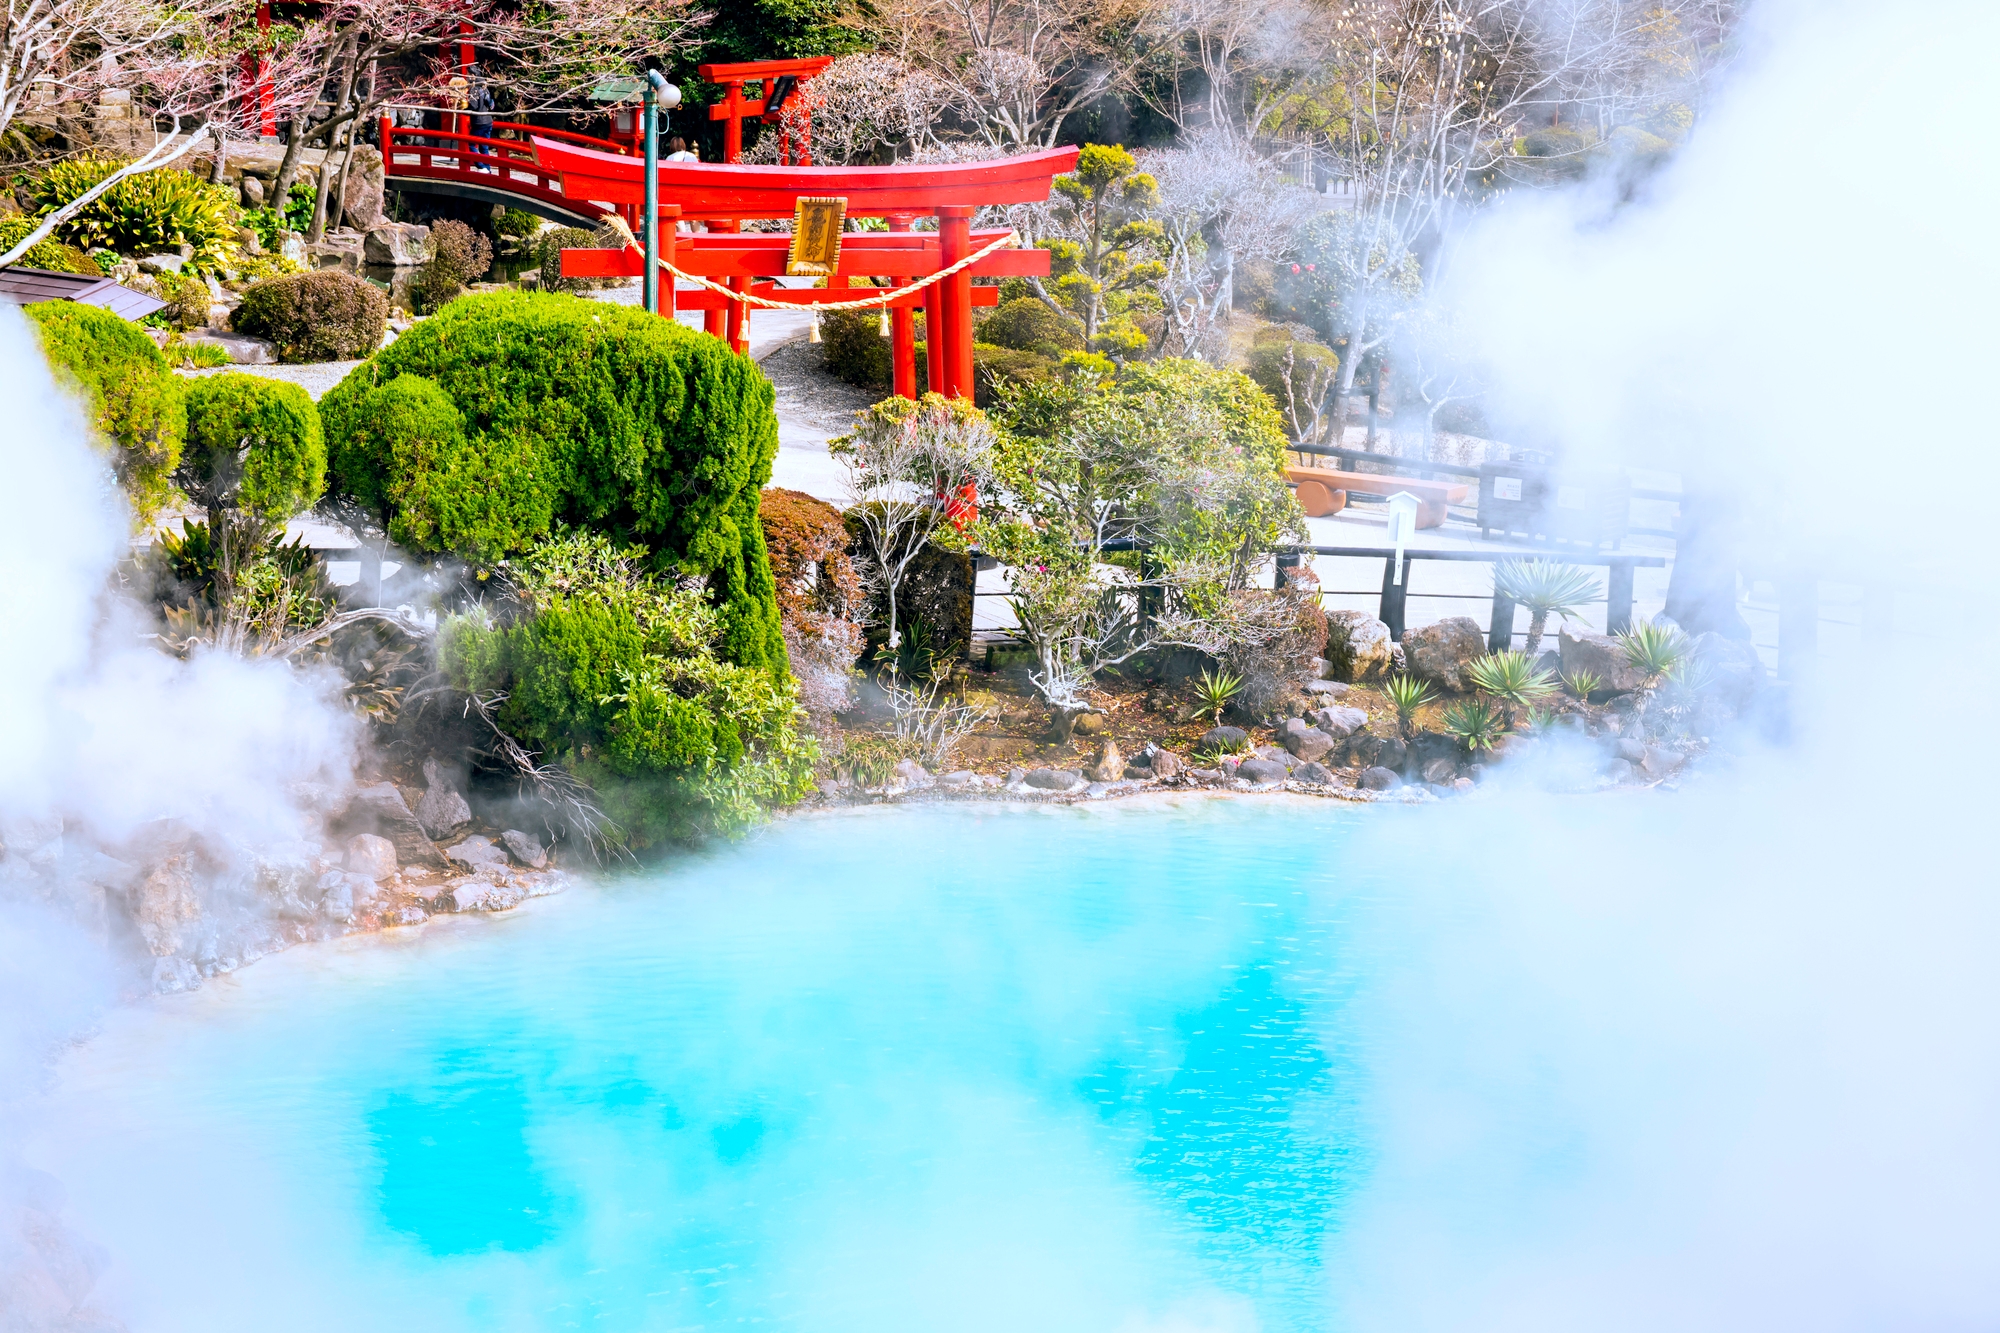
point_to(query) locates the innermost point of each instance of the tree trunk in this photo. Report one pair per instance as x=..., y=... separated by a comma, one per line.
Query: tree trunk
x=1538, y=620
x=295, y=146
x=221, y=154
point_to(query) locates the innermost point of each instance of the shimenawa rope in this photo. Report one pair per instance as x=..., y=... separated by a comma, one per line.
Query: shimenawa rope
x=890, y=294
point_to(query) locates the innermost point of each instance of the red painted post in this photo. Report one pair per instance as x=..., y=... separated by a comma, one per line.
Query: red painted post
x=267, y=117
x=670, y=225
x=902, y=331
x=732, y=124
x=955, y=302
x=933, y=338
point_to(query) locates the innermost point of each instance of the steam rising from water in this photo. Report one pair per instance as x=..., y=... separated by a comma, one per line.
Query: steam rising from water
x=102, y=735
x=1732, y=1060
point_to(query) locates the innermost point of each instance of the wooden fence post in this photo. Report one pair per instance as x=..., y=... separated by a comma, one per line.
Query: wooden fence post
x=1500, y=633
x=1618, y=597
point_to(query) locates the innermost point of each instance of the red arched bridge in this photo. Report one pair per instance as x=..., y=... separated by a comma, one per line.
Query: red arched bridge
x=578, y=179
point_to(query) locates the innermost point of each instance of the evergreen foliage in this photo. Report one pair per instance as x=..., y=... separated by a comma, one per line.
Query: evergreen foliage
x=145, y=214
x=132, y=398
x=1026, y=324
x=323, y=316
x=48, y=253
x=571, y=412
x=618, y=674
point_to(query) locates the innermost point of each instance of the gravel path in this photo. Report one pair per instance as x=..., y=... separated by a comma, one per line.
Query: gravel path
x=808, y=394
x=315, y=378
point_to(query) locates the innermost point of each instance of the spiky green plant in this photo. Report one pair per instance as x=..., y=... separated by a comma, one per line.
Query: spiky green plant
x=1512, y=678
x=1213, y=691
x=143, y=214
x=1406, y=694
x=1654, y=649
x=1546, y=589
x=1475, y=724
x=1583, y=683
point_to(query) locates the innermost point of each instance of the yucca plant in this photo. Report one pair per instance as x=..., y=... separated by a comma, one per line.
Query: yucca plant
x=1654, y=649
x=1406, y=695
x=1546, y=589
x=143, y=214
x=1512, y=678
x=1583, y=683
x=1475, y=724
x=1213, y=692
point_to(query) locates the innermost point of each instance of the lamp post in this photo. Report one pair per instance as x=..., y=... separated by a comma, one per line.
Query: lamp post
x=660, y=96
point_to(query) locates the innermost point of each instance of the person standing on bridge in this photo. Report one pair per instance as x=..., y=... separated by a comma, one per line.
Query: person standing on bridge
x=479, y=100
x=677, y=150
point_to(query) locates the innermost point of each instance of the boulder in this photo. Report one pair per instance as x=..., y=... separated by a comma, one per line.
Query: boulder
x=963, y=777
x=381, y=809
x=525, y=848
x=1053, y=779
x=165, y=905
x=1321, y=668
x=1167, y=765
x=1316, y=775
x=1380, y=779
x=442, y=811
x=1369, y=649
x=1015, y=775
x=1109, y=766
x=1657, y=763
x=909, y=775
x=293, y=247
x=399, y=243
x=1329, y=689
x=371, y=855
x=1136, y=772
x=1631, y=751
x=1439, y=653
x=1223, y=738
x=1440, y=771
x=249, y=242
x=1308, y=743
x=1602, y=656
x=1263, y=772
x=361, y=199
x=477, y=895
x=476, y=853
x=242, y=348
x=252, y=191
x=1090, y=724
x=169, y=262
x=1738, y=671
x=345, y=253
x=1338, y=721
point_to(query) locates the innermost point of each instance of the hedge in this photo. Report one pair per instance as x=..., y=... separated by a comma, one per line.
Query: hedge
x=133, y=399
x=253, y=445
x=324, y=316
x=1026, y=324
x=854, y=349
x=578, y=413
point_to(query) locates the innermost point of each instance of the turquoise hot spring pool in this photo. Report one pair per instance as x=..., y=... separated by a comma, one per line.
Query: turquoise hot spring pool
x=915, y=1070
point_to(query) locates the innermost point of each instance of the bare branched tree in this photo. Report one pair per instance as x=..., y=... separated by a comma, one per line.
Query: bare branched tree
x=861, y=108
x=905, y=465
x=1019, y=69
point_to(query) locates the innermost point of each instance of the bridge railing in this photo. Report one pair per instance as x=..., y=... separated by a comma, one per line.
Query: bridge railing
x=500, y=164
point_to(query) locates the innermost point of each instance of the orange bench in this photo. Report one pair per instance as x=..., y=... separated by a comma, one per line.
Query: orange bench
x=1323, y=491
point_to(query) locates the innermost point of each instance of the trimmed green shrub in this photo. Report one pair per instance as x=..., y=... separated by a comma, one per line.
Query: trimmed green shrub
x=575, y=412
x=459, y=256
x=993, y=367
x=551, y=244
x=614, y=672
x=133, y=399
x=853, y=348
x=395, y=448
x=187, y=299
x=254, y=447
x=517, y=223
x=1027, y=325
x=47, y=253
x=324, y=316
x=145, y=214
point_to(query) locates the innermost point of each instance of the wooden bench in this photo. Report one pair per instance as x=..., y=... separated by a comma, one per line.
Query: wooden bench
x=1323, y=491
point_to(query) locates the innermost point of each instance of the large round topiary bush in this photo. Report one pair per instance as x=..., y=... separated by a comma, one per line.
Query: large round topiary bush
x=253, y=446
x=323, y=316
x=133, y=398
x=1026, y=324
x=573, y=412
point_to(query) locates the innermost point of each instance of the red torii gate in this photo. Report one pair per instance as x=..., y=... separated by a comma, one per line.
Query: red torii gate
x=951, y=192
x=734, y=108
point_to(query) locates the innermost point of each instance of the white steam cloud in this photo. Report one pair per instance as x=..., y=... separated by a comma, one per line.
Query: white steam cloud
x=103, y=735
x=1731, y=1060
